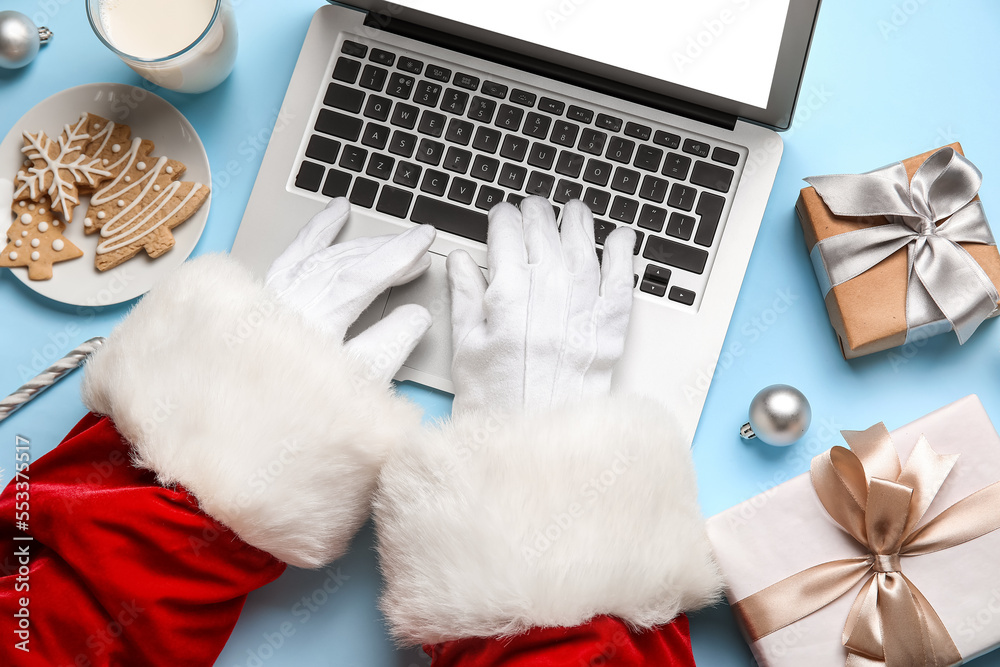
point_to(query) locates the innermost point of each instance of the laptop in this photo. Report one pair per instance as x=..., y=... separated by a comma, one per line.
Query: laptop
x=660, y=115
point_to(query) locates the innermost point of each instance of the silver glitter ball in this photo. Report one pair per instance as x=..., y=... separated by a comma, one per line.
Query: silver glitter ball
x=19, y=39
x=779, y=416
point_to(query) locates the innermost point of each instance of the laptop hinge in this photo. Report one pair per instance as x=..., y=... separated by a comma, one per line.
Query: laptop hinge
x=568, y=75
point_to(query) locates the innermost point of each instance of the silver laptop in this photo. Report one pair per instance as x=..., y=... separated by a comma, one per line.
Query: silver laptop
x=659, y=114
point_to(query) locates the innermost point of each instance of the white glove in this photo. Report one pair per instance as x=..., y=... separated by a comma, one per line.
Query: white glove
x=333, y=284
x=550, y=325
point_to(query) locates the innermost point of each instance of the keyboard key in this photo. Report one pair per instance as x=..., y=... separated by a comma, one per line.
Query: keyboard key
x=549, y=105
x=435, y=182
x=378, y=107
x=625, y=180
x=710, y=209
x=427, y=93
x=638, y=244
x=680, y=226
x=668, y=139
x=446, y=217
x=457, y=159
x=402, y=143
x=354, y=49
x=394, y=201
x=652, y=287
x=601, y=230
x=652, y=217
x=339, y=125
x=323, y=149
x=509, y=118
x=597, y=200
x=654, y=188
x=726, y=156
x=459, y=131
x=522, y=97
x=512, y=176
x=337, y=183
x=466, y=81
x=539, y=184
x=462, y=191
x=676, y=166
x=430, y=152
x=514, y=147
x=597, y=172
x=681, y=196
x=488, y=197
x=487, y=140
x=454, y=101
x=580, y=114
x=353, y=158
x=494, y=89
x=375, y=136
x=382, y=57
x=564, y=133
x=620, y=150
x=346, y=70
x=648, y=158
x=569, y=164
x=410, y=65
x=310, y=176
x=678, y=255
x=408, y=174
x=712, y=176
x=405, y=115
x=566, y=190
x=609, y=122
x=380, y=166
x=681, y=295
x=485, y=168
x=638, y=131
x=659, y=274
x=373, y=78
x=592, y=141
x=695, y=147
x=536, y=125
x=400, y=86
x=482, y=109
x=431, y=123
x=623, y=209
x=363, y=193
x=515, y=199
x=342, y=97
x=541, y=155
x=438, y=73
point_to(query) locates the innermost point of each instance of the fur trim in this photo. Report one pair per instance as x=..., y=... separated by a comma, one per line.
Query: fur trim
x=490, y=525
x=221, y=388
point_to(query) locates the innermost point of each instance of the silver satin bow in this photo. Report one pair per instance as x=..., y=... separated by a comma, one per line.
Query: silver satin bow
x=944, y=281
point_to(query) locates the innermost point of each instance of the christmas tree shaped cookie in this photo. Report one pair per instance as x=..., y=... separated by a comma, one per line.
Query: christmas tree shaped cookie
x=136, y=208
x=35, y=239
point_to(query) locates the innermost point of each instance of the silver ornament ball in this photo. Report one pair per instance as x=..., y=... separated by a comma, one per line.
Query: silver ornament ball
x=19, y=39
x=779, y=416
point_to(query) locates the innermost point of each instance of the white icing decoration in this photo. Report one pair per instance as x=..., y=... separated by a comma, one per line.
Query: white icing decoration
x=55, y=223
x=100, y=215
x=35, y=255
x=156, y=188
x=24, y=233
x=97, y=126
x=116, y=148
x=141, y=166
x=21, y=204
x=170, y=170
x=121, y=202
x=106, y=162
x=43, y=227
x=57, y=245
x=31, y=207
x=128, y=179
x=17, y=243
x=12, y=255
x=34, y=243
x=87, y=222
x=41, y=211
x=26, y=219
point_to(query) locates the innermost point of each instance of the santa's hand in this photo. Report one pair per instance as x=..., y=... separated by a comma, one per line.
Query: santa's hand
x=550, y=324
x=333, y=284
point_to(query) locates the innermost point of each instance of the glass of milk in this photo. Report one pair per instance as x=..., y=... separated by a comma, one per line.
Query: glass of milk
x=184, y=45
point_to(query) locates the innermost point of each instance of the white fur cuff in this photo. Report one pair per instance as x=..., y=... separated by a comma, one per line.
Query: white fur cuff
x=489, y=526
x=276, y=431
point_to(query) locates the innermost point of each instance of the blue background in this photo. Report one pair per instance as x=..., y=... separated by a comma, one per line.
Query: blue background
x=886, y=80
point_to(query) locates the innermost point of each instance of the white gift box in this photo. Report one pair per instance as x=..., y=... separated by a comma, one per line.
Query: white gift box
x=786, y=530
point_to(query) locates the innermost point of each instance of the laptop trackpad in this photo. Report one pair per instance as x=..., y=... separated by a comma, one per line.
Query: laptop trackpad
x=433, y=354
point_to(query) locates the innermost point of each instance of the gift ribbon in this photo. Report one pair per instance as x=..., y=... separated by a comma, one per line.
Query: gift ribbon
x=943, y=280
x=879, y=503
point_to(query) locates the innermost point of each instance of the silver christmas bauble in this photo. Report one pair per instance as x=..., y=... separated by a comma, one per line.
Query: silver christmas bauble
x=19, y=39
x=779, y=416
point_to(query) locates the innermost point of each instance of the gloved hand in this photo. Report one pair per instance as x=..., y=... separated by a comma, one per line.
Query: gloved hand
x=549, y=325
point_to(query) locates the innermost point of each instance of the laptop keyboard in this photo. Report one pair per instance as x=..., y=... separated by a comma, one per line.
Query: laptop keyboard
x=427, y=143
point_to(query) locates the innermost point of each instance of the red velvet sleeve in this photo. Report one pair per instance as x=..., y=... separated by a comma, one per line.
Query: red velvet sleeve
x=118, y=570
x=603, y=642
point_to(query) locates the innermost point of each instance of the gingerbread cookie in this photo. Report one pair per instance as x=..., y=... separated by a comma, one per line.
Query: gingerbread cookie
x=108, y=143
x=35, y=239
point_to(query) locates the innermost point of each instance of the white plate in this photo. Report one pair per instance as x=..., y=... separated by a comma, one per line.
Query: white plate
x=78, y=282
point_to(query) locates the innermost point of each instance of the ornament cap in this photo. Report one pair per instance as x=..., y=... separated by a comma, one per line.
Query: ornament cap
x=44, y=35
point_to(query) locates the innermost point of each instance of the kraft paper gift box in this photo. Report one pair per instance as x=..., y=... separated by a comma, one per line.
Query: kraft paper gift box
x=868, y=312
x=787, y=530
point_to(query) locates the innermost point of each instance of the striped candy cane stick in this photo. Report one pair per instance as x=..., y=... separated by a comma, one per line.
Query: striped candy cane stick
x=48, y=377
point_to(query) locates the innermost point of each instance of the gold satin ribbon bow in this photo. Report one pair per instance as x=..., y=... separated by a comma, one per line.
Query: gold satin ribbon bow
x=879, y=502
